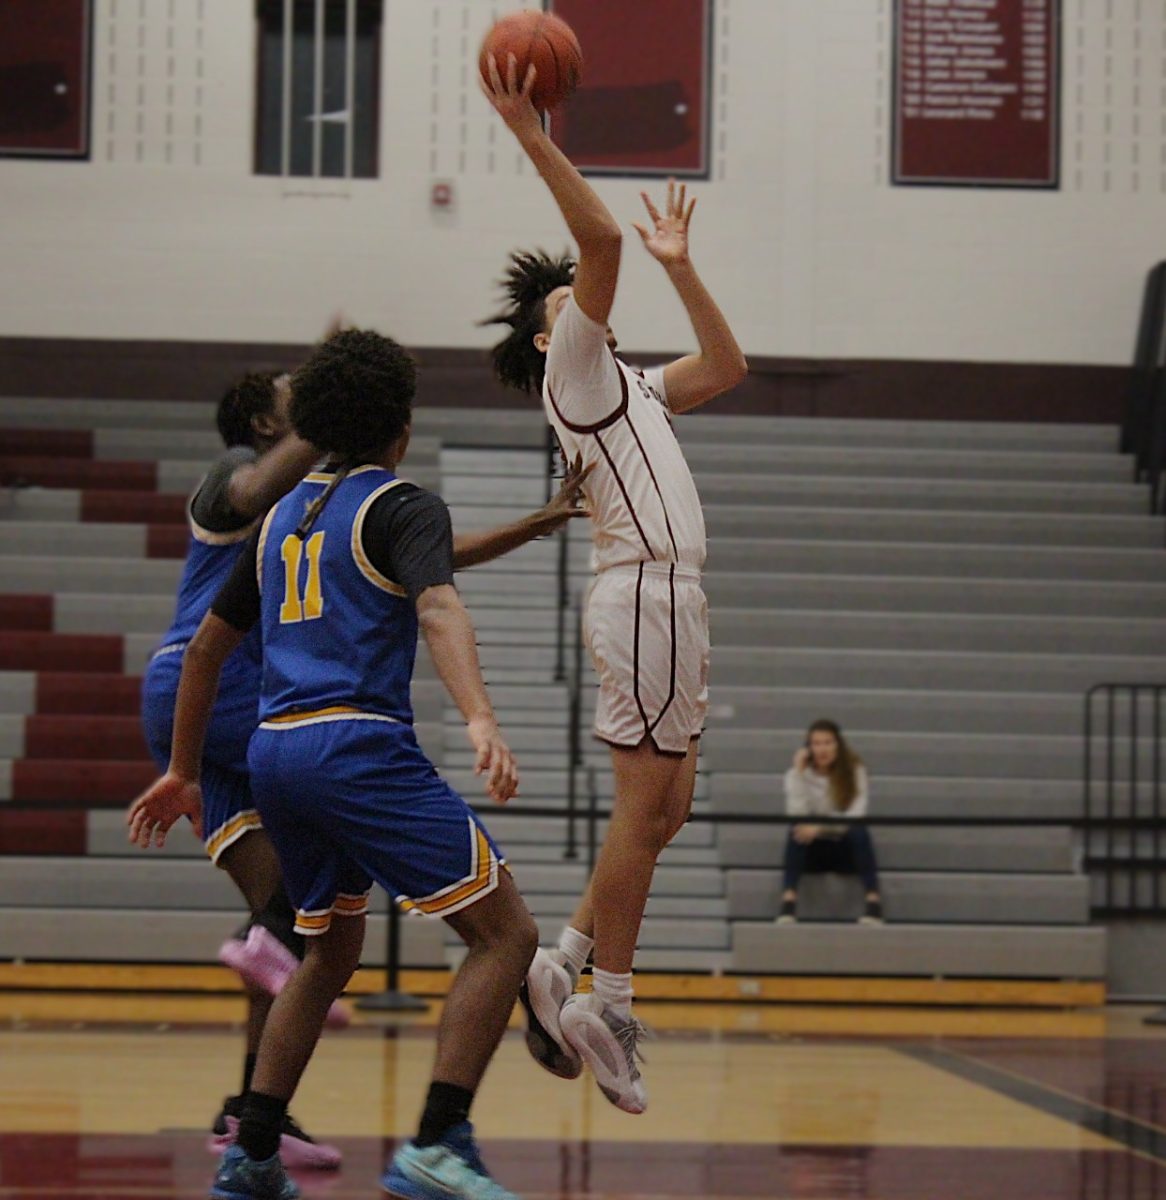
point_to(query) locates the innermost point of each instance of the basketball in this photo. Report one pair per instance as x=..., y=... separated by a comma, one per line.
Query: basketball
x=546, y=41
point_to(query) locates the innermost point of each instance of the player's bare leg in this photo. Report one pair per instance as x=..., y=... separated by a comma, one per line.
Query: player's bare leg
x=679, y=808
x=252, y=1166
x=254, y=868
x=649, y=806
x=443, y=1158
x=297, y=1015
x=501, y=936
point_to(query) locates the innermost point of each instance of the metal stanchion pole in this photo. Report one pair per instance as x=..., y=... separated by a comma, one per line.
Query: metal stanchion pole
x=392, y=999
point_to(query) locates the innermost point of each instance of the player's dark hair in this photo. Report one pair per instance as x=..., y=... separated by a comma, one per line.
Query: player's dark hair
x=252, y=396
x=529, y=280
x=352, y=399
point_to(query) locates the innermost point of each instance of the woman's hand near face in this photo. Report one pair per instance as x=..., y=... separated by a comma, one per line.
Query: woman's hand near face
x=802, y=759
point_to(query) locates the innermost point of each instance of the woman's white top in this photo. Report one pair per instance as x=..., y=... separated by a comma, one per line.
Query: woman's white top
x=807, y=794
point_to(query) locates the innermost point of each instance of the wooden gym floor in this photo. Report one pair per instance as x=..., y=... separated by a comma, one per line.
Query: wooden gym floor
x=107, y=1096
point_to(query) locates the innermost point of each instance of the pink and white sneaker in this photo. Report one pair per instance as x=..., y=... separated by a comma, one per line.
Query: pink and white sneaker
x=262, y=961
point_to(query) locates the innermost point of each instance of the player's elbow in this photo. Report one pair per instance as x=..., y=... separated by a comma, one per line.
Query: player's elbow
x=736, y=371
x=605, y=239
x=213, y=641
x=437, y=607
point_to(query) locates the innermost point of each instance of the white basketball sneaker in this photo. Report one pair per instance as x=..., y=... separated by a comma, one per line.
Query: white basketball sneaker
x=608, y=1044
x=549, y=984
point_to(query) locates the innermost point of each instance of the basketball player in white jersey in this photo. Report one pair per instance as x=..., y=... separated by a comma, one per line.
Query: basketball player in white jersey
x=646, y=621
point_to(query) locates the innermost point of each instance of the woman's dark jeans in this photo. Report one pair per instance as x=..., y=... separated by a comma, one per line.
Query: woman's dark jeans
x=851, y=854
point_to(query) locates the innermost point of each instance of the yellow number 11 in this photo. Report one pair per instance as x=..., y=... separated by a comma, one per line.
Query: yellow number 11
x=312, y=605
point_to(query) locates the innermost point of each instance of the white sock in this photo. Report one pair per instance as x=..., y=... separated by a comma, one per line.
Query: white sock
x=576, y=948
x=615, y=990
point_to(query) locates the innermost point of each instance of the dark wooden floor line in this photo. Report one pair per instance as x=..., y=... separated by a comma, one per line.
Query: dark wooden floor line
x=1138, y=1136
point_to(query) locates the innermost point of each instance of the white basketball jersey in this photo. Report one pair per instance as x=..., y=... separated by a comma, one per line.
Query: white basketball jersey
x=643, y=501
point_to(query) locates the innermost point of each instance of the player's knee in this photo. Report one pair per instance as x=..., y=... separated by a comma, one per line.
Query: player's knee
x=507, y=929
x=526, y=937
x=657, y=827
x=332, y=960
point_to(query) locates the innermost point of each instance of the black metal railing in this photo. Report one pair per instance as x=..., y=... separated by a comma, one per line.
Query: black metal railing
x=1144, y=423
x=1124, y=815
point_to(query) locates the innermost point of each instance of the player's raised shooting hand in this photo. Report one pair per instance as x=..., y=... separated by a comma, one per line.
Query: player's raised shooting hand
x=494, y=759
x=154, y=812
x=667, y=240
x=568, y=501
x=511, y=101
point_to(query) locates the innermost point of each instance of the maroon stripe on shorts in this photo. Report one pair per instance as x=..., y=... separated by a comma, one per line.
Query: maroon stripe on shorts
x=672, y=664
x=636, y=653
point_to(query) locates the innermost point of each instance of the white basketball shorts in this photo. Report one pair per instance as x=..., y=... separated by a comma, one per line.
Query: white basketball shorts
x=647, y=628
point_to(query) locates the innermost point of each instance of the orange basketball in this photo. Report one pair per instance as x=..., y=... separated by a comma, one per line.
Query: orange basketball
x=546, y=41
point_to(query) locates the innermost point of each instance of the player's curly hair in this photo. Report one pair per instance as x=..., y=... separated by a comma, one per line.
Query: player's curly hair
x=530, y=278
x=352, y=399
x=252, y=396
x=354, y=395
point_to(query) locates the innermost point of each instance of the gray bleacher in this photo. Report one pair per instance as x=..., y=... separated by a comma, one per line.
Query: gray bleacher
x=946, y=590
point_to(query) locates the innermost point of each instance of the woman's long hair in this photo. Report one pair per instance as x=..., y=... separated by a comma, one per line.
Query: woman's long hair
x=843, y=773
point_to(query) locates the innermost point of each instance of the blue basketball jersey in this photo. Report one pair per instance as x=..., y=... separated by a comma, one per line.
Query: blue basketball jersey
x=210, y=560
x=336, y=632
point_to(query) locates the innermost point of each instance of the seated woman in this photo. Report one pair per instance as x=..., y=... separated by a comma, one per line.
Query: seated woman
x=828, y=782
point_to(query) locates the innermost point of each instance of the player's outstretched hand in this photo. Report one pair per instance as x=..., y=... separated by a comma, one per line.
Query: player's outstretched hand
x=567, y=502
x=512, y=102
x=154, y=812
x=667, y=240
x=494, y=759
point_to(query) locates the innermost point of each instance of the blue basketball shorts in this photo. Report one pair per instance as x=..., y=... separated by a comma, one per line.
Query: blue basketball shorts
x=228, y=810
x=349, y=799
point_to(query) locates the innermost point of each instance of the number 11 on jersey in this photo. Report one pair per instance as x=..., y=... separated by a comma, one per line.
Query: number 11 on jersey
x=311, y=606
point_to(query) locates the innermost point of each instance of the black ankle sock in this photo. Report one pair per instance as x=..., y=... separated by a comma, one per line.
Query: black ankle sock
x=278, y=917
x=446, y=1105
x=260, y=1125
x=248, y=1073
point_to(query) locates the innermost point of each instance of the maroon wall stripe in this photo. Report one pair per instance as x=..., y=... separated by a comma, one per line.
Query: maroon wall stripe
x=71, y=692
x=85, y=737
x=29, y=614
x=48, y=443
x=887, y=388
x=18, y=470
x=85, y=784
x=167, y=541
x=123, y=508
x=60, y=652
x=33, y=832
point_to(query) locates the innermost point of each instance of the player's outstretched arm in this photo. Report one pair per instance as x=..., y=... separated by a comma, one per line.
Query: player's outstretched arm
x=595, y=230
x=254, y=487
x=471, y=549
x=449, y=633
x=719, y=365
x=177, y=793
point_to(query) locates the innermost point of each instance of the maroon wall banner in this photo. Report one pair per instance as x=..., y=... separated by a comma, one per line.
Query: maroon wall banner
x=44, y=77
x=977, y=93
x=643, y=106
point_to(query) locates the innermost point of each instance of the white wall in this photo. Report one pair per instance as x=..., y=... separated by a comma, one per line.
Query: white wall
x=167, y=234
